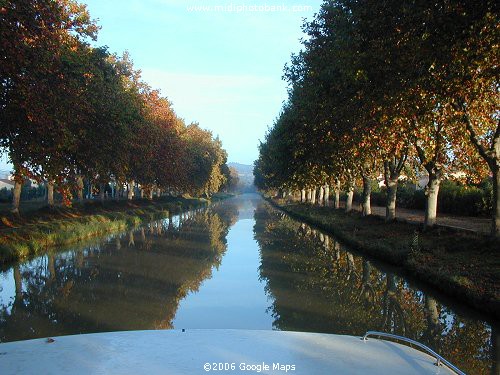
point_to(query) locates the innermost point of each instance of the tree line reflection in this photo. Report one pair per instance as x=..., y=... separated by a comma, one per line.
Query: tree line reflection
x=133, y=280
x=317, y=285
x=136, y=280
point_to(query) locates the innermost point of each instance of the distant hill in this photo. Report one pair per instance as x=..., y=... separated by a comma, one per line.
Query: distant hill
x=245, y=173
x=242, y=168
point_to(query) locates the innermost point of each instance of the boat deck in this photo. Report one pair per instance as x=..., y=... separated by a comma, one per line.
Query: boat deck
x=207, y=351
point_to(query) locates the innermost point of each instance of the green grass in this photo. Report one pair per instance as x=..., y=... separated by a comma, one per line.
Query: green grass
x=43, y=229
x=461, y=264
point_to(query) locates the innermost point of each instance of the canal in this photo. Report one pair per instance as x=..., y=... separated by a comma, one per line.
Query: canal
x=237, y=264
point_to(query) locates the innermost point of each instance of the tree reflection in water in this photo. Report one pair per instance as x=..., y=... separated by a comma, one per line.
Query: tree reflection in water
x=134, y=280
x=316, y=285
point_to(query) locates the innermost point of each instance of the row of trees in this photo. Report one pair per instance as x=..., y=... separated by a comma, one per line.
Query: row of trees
x=70, y=111
x=389, y=88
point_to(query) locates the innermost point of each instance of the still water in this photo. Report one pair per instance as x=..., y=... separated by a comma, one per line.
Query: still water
x=236, y=264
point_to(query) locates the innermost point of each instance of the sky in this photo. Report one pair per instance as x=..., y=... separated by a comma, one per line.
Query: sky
x=220, y=67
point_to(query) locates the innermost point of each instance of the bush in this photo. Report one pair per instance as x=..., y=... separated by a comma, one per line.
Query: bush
x=464, y=200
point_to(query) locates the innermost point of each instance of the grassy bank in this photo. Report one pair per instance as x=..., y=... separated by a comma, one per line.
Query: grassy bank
x=37, y=232
x=463, y=265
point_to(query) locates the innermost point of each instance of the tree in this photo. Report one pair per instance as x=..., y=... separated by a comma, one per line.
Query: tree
x=35, y=35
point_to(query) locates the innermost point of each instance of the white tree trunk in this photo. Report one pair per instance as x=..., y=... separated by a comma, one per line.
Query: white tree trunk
x=350, y=195
x=321, y=195
x=337, y=194
x=367, y=190
x=130, y=193
x=327, y=195
x=16, y=196
x=303, y=195
x=431, y=191
x=313, y=196
x=348, y=203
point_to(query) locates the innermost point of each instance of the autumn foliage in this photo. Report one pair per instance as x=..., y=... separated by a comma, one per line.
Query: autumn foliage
x=390, y=89
x=74, y=115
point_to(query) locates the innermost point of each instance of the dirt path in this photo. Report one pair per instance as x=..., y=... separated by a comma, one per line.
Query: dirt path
x=475, y=224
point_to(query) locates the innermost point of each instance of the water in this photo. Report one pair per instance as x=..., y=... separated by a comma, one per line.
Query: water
x=237, y=264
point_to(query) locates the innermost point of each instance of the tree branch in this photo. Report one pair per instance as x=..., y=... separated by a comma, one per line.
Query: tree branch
x=475, y=141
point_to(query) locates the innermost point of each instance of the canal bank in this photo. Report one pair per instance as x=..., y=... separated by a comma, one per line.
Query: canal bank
x=22, y=237
x=463, y=265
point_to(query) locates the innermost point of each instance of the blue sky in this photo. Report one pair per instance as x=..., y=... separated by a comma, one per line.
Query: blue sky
x=220, y=68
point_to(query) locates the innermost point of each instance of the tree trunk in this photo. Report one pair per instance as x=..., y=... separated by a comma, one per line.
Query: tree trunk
x=150, y=193
x=16, y=197
x=431, y=314
x=158, y=192
x=433, y=332
x=336, y=248
x=50, y=194
x=79, y=186
x=392, y=170
x=303, y=195
x=18, y=282
x=337, y=194
x=142, y=192
x=309, y=195
x=367, y=191
x=350, y=195
x=102, y=192
x=131, y=241
x=327, y=195
x=130, y=193
x=431, y=191
x=321, y=195
x=348, y=202
x=326, y=244
x=390, y=206
x=51, y=267
x=313, y=196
